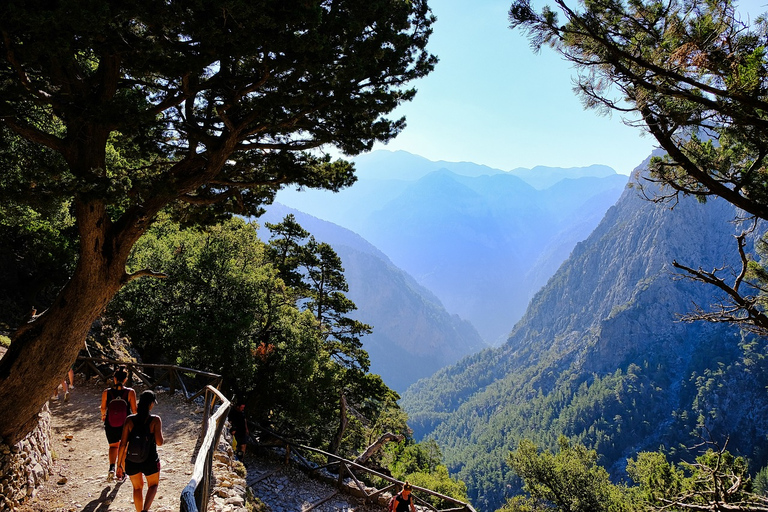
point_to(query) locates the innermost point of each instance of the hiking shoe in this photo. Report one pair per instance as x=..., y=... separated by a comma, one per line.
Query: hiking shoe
x=111, y=473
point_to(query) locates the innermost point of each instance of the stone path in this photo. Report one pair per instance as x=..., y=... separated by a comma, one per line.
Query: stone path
x=80, y=455
x=80, y=463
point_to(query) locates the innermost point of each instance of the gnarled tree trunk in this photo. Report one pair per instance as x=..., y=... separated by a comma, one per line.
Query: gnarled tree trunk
x=43, y=350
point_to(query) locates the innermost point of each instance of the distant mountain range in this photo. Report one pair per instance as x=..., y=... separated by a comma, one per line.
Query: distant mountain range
x=601, y=356
x=481, y=239
x=413, y=335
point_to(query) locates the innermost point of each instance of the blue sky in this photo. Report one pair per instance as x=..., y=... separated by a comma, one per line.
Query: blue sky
x=492, y=101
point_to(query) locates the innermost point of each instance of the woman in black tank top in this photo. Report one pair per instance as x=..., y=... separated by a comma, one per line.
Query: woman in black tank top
x=403, y=502
x=152, y=427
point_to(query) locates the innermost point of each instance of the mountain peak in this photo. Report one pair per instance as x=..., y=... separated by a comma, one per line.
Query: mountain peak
x=542, y=177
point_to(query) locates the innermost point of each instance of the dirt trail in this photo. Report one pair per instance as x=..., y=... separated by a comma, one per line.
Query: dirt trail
x=80, y=461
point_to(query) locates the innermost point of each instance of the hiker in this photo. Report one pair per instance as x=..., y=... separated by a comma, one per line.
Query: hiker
x=117, y=402
x=239, y=428
x=403, y=501
x=138, y=457
x=66, y=387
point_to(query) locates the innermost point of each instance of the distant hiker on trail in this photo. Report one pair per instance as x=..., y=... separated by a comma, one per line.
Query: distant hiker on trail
x=64, y=386
x=239, y=428
x=138, y=457
x=117, y=402
x=402, y=502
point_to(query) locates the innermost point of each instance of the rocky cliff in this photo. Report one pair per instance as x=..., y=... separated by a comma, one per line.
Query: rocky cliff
x=601, y=356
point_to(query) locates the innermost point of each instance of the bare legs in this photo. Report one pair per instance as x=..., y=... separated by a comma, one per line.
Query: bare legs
x=113, y=453
x=139, y=501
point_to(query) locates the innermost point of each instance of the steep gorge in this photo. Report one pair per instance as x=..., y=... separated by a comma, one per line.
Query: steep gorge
x=601, y=356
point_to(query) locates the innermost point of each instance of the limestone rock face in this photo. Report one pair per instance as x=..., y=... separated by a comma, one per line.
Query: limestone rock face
x=601, y=356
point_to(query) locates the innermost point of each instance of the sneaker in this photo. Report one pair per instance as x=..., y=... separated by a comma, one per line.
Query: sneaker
x=66, y=396
x=111, y=473
x=55, y=397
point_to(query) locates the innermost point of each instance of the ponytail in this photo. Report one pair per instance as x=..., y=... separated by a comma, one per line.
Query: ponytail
x=145, y=402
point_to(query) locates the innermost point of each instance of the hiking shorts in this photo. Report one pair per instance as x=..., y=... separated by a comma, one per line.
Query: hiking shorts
x=113, y=433
x=148, y=467
x=241, y=439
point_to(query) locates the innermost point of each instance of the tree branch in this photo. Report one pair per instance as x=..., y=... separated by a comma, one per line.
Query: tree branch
x=127, y=278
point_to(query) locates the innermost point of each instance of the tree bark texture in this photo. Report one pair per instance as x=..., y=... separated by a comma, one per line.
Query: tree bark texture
x=43, y=350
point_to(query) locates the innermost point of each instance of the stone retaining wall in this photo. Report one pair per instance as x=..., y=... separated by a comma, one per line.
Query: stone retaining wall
x=26, y=465
x=230, y=492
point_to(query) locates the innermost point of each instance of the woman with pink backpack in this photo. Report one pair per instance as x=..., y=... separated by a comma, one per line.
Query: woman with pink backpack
x=117, y=402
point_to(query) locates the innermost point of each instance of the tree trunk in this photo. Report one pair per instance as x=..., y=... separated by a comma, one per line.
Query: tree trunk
x=343, y=420
x=43, y=350
x=384, y=439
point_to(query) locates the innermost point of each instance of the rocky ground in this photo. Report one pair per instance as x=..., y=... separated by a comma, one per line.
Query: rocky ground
x=288, y=489
x=80, y=448
x=80, y=481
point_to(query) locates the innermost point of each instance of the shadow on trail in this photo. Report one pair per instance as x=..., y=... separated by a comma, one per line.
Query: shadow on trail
x=82, y=411
x=102, y=503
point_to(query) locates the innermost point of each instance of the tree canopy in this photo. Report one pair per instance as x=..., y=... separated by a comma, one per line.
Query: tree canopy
x=694, y=75
x=204, y=108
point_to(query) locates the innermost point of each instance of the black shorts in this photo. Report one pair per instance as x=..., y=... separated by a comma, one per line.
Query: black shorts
x=113, y=433
x=148, y=467
x=241, y=439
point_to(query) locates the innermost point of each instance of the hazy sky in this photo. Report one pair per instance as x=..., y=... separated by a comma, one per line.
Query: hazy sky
x=492, y=101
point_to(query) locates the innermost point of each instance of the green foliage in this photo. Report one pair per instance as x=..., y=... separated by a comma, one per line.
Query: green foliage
x=39, y=248
x=223, y=307
x=410, y=458
x=202, y=109
x=524, y=504
x=421, y=464
x=716, y=481
x=440, y=481
x=209, y=311
x=36, y=258
x=760, y=482
x=570, y=480
x=315, y=272
x=693, y=75
x=236, y=91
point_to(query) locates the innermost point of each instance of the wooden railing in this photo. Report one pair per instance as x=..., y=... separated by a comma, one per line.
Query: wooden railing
x=348, y=467
x=195, y=495
x=172, y=375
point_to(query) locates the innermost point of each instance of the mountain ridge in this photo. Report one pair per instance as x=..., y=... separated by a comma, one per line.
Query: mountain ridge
x=413, y=336
x=474, y=240
x=600, y=356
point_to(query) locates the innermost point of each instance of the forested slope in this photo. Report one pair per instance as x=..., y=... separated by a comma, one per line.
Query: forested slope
x=413, y=335
x=601, y=357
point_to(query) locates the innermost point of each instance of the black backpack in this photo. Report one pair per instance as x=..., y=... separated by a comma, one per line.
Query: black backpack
x=139, y=441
